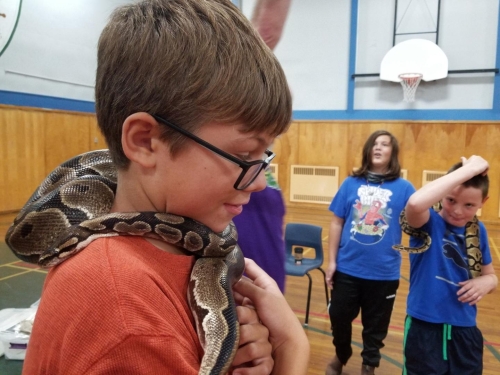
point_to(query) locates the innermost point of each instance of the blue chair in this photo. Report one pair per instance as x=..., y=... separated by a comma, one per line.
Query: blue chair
x=304, y=235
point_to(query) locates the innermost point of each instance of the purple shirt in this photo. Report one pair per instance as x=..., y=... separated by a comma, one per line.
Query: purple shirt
x=260, y=232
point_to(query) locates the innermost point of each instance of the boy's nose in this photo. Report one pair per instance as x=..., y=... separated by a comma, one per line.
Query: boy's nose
x=258, y=184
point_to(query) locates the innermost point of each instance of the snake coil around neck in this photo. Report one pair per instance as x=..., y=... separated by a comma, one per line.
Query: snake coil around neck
x=71, y=208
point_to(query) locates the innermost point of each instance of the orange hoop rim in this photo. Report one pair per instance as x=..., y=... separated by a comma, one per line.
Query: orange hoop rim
x=410, y=76
x=410, y=82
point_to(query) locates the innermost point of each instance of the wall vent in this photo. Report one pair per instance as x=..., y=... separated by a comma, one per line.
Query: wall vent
x=429, y=176
x=313, y=184
x=274, y=170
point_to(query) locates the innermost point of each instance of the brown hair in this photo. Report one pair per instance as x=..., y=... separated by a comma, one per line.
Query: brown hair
x=190, y=62
x=394, y=169
x=479, y=181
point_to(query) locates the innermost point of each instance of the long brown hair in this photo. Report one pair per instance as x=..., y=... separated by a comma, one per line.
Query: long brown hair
x=394, y=168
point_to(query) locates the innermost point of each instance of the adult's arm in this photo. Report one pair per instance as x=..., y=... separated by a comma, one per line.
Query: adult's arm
x=269, y=18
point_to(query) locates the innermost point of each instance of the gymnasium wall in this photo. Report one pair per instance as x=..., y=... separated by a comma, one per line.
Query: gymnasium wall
x=47, y=81
x=50, y=61
x=34, y=141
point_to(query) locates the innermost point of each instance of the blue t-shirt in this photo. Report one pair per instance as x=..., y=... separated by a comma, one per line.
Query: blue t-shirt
x=371, y=226
x=433, y=273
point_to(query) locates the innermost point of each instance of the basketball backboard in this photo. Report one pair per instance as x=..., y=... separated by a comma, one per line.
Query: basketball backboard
x=414, y=56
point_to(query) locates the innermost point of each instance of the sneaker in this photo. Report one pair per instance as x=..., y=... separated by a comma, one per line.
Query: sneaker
x=334, y=367
x=367, y=370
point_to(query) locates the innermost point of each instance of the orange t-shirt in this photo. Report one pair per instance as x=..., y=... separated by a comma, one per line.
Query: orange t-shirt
x=117, y=307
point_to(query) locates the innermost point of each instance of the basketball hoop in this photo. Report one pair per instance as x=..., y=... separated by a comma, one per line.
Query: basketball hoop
x=410, y=82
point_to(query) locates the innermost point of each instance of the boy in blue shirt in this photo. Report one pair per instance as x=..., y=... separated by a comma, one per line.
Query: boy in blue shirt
x=451, y=276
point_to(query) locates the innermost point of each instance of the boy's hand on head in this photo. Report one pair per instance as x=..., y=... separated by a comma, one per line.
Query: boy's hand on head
x=473, y=290
x=254, y=352
x=479, y=164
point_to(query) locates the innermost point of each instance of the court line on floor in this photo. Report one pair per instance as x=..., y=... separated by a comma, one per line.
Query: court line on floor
x=388, y=359
x=495, y=248
x=488, y=344
x=493, y=351
x=13, y=265
x=18, y=267
x=15, y=274
x=23, y=265
x=326, y=317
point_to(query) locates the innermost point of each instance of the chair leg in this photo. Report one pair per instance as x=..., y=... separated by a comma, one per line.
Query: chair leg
x=306, y=322
x=324, y=282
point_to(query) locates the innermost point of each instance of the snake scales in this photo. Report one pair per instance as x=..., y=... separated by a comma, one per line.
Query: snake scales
x=71, y=208
x=474, y=256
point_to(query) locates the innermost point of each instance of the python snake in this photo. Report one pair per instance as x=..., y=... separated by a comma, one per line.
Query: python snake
x=71, y=209
x=474, y=255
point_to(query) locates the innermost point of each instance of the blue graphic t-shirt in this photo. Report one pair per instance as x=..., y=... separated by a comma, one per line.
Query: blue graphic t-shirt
x=435, y=274
x=371, y=226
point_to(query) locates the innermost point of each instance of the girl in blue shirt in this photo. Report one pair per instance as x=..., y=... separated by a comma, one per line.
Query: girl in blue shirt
x=364, y=270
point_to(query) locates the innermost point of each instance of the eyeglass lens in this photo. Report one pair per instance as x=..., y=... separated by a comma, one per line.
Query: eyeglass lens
x=250, y=175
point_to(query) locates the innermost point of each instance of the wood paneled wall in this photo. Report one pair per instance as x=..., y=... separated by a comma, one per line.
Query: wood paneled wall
x=34, y=141
x=433, y=145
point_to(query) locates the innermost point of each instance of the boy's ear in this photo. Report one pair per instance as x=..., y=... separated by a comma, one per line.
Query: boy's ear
x=140, y=136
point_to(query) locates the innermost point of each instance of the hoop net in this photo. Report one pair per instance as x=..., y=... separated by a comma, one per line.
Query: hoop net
x=410, y=82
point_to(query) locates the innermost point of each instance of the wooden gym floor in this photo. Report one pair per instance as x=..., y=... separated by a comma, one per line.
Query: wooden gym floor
x=21, y=284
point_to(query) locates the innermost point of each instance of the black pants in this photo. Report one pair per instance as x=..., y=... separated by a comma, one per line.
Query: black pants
x=439, y=349
x=375, y=299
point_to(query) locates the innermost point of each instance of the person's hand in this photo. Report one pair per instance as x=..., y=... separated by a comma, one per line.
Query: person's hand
x=254, y=352
x=473, y=290
x=286, y=335
x=261, y=291
x=330, y=271
x=479, y=165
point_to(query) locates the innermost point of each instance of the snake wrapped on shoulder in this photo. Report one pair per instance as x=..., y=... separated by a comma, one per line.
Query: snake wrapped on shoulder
x=71, y=208
x=474, y=255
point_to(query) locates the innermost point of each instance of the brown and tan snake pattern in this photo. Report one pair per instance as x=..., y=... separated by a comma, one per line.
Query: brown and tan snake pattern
x=474, y=256
x=71, y=209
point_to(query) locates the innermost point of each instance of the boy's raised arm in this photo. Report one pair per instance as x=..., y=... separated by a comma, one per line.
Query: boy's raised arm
x=417, y=208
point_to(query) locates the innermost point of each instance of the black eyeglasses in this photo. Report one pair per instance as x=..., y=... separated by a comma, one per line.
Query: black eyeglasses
x=250, y=169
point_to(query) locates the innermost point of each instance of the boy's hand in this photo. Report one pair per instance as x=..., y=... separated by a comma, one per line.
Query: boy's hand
x=473, y=290
x=254, y=353
x=480, y=165
x=261, y=291
x=290, y=346
x=332, y=267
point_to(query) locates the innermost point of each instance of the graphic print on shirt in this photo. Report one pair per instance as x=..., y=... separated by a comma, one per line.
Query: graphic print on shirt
x=454, y=252
x=371, y=215
x=270, y=180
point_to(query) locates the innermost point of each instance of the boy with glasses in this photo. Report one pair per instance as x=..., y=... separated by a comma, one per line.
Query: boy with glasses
x=260, y=226
x=189, y=99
